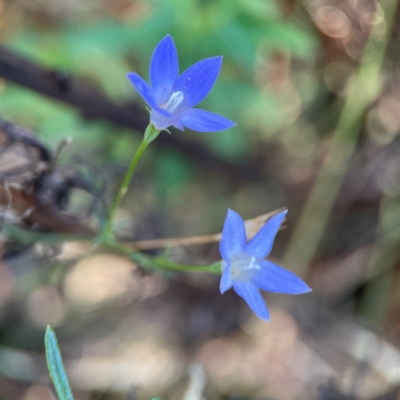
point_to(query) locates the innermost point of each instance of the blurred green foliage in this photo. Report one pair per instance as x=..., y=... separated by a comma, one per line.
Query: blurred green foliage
x=102, y=49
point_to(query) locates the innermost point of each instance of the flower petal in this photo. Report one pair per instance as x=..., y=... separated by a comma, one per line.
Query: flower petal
x=196, y=82
x=250, y=293
x=226, y=279
x=164, y=69
x=161, y=121
x=261, y=244
x=233, y=238
x=205, y=121
x=273, y=278
x=178, y=124
x=144, y=90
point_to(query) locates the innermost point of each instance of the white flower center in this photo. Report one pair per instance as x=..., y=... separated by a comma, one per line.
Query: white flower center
x=174, y=101
x=243, y=266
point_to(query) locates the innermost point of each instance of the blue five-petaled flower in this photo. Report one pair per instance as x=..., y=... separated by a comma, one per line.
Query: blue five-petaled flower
x=244, y=266
x=172, y=97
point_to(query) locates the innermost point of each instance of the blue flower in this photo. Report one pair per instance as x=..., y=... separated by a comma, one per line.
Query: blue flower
x=172, y=97
x=244, y=266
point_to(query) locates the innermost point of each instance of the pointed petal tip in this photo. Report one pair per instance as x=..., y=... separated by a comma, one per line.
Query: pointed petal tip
x=197, y=81
x=217, y=59
x=261, y=244
x=167, y=38
x=305, y=289
x=273, y=278
x=284, y=212
x=265, y=318
x=302, y=288
x=164, y=69
x=224, y=125
x=227, y=125
x=251, y=294
x=233, y=213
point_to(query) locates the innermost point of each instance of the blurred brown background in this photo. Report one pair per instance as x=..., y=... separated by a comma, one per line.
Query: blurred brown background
x=313, y=87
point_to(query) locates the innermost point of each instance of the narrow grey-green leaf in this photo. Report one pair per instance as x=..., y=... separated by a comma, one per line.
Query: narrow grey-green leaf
x=56, y=367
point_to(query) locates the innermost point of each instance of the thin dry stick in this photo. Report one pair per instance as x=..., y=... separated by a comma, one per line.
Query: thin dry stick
x=174, y=242
x=252, y=227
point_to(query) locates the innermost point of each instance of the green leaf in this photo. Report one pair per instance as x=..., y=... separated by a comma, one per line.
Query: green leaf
x=55, y=366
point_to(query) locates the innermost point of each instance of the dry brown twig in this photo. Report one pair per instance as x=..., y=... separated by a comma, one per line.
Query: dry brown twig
x=252, y=227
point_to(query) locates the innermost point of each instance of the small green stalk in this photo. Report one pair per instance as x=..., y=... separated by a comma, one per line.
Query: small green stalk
x=56, y=367
x=149, y=262
x=150, y=134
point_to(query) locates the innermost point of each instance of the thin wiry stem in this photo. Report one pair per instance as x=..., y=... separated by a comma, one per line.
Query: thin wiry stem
x=145, y=260
x=130, y=250
x=107, y=232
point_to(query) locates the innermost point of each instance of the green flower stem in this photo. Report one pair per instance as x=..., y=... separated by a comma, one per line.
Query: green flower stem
x=150, y=134
x=152, y=263
x=25, y=236
x=162, y=263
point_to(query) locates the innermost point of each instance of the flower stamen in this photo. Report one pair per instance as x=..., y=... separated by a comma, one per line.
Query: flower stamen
x=243, y=266
x=174, y=102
